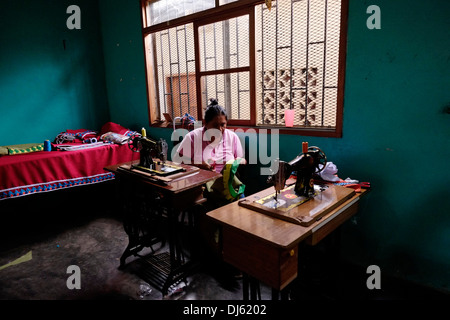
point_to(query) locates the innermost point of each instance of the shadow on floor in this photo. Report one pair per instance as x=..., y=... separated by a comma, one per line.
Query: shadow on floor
x=69, y=232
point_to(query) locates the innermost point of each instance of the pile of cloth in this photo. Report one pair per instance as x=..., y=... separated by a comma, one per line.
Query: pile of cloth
x=78, y=136
x=329, y=174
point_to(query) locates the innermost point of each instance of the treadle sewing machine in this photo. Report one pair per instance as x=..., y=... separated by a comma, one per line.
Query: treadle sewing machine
x=157, y=197
x=269, y=228
x=303, y=202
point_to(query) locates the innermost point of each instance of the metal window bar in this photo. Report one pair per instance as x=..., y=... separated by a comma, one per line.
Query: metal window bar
x=291, y=92
x=205, y=61
x=237, y=60
x=170, y=74
x=162, y=69
x=307, y=63
x=324, y=62
x=276, y=63
x=187, y=70
x=215, y=57
x=180, y=93
x=226, y=64
x=262, y=66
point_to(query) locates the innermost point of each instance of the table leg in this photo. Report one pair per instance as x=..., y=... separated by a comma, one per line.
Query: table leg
x=250, y=284
x=245, y=286
x=280, y=294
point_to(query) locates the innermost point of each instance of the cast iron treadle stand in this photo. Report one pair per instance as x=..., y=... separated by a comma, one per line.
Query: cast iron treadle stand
x=149, y=220
x=142, y=222
x=166, y=269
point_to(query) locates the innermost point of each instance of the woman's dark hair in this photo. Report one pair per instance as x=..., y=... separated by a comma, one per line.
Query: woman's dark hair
x=214, y=110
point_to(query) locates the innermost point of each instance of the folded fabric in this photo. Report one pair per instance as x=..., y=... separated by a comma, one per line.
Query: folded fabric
x=329, y=173
x=117, y=128
x=354, y=184
x=114, y=137
x=90, y=136
x=83, y=134
x=77, y=136
x=21, y=148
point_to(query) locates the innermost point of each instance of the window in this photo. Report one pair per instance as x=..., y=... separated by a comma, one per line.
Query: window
x=159, y=11
x=257, y=62
x=224, y=64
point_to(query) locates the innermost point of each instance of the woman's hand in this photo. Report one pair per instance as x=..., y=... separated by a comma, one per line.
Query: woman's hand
x=243, y=161
x=206, y=166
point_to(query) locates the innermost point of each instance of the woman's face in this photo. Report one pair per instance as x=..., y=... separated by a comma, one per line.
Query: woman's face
x=219, y=122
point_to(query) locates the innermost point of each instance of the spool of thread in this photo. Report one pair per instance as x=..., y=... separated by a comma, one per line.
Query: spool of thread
x=90, y=140
x=143, y=132
x=305, y=147
x=47, y=145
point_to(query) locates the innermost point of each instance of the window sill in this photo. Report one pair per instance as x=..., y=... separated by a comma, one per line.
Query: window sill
x=300, y=131
x=317, y=132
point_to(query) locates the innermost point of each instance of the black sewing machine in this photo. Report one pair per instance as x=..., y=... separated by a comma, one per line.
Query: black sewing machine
x=311, y=161
x=149, y=149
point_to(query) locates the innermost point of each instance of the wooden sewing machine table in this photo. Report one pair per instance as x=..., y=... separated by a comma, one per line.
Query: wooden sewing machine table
x=145, y=199
x=266, y=248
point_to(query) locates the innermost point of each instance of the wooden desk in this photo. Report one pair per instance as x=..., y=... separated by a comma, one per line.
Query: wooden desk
x=180, y=183
x=266, y=248
x=179, y=193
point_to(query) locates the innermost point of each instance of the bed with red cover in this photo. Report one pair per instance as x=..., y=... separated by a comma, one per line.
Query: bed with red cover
x=44, y=171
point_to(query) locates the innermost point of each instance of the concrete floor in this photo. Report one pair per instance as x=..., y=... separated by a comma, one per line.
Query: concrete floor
x=60, y=229
x=95, y=248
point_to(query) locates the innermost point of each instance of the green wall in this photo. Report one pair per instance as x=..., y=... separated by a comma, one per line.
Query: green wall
x=125, y=63
x=44, y=88
x=396, y=133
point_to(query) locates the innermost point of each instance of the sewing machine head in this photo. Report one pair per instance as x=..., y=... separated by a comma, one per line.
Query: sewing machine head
x=311, y=161
x=148, y=149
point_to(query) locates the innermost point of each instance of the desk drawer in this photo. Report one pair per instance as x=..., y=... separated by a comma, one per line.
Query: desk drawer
x=183, y=200
x=273, y=266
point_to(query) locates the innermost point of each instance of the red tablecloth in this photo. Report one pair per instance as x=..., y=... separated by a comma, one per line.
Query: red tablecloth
x=43, y=171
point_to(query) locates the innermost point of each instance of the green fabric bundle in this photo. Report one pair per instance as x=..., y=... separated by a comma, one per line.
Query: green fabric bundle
x=21, y=148
x=227, y=188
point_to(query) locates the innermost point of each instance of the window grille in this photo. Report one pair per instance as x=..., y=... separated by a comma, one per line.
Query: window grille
x=298, y=55
x=175, y=71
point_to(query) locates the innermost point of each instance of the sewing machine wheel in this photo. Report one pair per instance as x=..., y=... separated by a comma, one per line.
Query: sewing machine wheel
x=321, y=158
x=134, y=144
